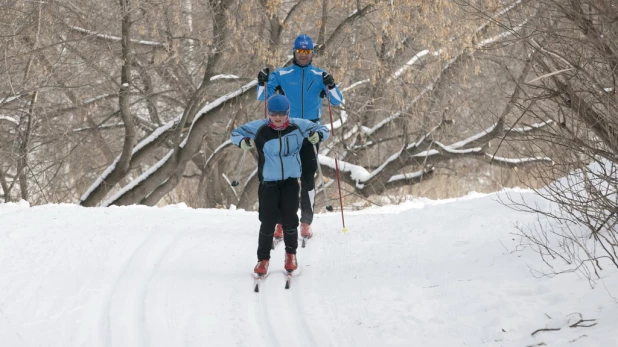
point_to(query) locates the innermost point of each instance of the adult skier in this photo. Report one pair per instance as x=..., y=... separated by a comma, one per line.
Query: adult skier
x=278, y=140
x=305, y=86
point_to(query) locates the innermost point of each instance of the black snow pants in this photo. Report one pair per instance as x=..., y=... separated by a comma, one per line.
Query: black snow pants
x=309, y=163
x=278, y=201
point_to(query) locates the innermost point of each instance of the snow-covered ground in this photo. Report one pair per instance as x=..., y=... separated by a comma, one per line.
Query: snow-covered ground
x=425, y=273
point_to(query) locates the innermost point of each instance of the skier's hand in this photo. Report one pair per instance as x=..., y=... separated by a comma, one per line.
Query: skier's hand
x=314, y=137
x=328, y=80
x=263, y=76
x=246, y=144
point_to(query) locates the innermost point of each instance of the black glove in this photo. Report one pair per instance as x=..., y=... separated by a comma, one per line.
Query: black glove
x=263, y=76
x=328, y=80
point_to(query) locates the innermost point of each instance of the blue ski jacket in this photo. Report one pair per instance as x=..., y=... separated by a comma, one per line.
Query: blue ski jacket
x=304, y=88
x=278, y=150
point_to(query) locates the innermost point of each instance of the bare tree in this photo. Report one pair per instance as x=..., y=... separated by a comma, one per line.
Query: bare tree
x=571, y=87
x=135, y=99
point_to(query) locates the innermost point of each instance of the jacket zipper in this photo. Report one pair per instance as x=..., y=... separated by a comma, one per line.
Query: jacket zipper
x=281, y=158
x=302, y=95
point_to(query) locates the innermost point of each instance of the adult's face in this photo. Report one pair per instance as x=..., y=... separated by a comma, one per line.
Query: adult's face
x=303, y=56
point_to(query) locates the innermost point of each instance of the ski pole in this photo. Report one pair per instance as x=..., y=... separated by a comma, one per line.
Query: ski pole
x=329, y=207
x=265, y=101
x=332, y=130
x=242, y=161
x=265, y=105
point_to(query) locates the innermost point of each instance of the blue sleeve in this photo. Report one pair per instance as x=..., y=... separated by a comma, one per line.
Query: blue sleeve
x=308, y=127
x=334, y=95
x=271, y=86
x=248, y=130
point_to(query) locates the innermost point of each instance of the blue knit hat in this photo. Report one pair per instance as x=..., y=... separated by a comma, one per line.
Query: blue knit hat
x=303, y=42
x=278, y=103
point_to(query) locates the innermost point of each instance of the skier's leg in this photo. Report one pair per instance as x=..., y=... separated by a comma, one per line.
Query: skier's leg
x=307, y=181
x=269, y=200
x=289, y=210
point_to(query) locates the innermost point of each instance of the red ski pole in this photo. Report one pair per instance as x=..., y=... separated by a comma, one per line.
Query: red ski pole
x=265, y=101
x=332, y=131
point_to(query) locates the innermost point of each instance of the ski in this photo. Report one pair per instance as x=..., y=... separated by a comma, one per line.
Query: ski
x=257, y=282
x=304, y=241
x=276, y=241
x=288, y=279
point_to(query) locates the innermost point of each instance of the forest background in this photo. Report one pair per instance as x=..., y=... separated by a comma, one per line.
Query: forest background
x=131, y=102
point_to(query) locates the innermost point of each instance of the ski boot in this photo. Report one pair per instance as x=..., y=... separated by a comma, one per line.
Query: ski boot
x=278, y=231
x=278, y=235
x=305, y=231
x=290, y=262
x=261, y=268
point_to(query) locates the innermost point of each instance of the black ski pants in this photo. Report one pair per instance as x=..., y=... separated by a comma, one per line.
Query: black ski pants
x=278, y=201
x=309, y=163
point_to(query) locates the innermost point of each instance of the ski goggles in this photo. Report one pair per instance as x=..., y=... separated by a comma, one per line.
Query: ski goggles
x=277, y=113
x=304, y=51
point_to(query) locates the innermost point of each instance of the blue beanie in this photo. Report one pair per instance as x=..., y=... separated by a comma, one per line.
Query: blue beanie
x=303, y=42
x=278, y=103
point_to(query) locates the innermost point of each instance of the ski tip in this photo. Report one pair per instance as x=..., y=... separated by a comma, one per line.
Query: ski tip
x=256, y=289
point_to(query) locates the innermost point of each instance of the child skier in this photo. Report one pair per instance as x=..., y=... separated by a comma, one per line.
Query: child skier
x=278, y=140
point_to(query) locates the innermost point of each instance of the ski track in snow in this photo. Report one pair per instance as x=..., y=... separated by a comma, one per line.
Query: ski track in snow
x=424, y=274
x=125, y=302
x=337, y=245
x=295, y=300
x=281, y=313
x=266, y=326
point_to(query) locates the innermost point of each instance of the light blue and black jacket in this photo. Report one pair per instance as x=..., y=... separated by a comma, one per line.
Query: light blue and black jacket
x=304, y=88
x=278, y=157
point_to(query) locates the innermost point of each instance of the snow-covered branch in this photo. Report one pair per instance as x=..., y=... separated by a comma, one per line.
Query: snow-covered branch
x=502, y=35
x=425, y=153
x=354, y=85
x=518, y=161
x=409, y=63
x=8, y=99
x=10, y=120
x=116, y=38
x=224, y=77
x=154, y=137
x=529, y=128
x=445, y=68
x=150, y=139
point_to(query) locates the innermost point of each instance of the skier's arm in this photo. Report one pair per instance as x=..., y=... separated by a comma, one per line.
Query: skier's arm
x=248, y=130
x=331, y=89
x=309, y=127
x=270, y=86
x=335, y=96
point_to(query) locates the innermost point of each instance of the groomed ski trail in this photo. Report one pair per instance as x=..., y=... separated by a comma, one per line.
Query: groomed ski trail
x=124, y=323
x=280, y=310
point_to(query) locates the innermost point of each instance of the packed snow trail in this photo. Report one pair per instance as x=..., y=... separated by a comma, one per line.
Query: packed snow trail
x=426, y=273
x=125, y=307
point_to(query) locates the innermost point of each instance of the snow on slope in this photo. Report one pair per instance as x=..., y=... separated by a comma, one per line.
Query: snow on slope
x=424, y=273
